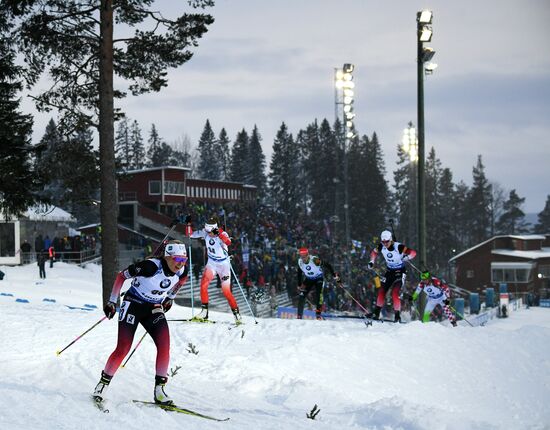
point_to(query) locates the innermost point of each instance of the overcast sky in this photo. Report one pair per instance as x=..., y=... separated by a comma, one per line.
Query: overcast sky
x=265, y=62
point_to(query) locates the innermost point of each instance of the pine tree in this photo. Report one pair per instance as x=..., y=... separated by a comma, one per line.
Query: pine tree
x=256, y=162
x=368, y=189
x=496, y=206
x=181, y=152
x=284, y=190
x=81, y=185
x=224, y=154
x=321, y=171
x=18, y=182
x=479, y=205
x=239, y=156
x=446, y=223
x=512, y=220
x=210, y=165
x=138, y=148
x=46, y=161
x=543, y=225
x=159, y=153
x=462, y=227
x=70, y=188
x=74, y=41
x=404, y=203
x=123, y=147
x=433, y=204
x=310, y=146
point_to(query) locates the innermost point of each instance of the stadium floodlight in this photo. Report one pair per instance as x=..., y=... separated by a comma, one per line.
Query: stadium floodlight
x=423, y=34
x=429, y=68
x=425, y=16
x=345, y=95
x=427, y=54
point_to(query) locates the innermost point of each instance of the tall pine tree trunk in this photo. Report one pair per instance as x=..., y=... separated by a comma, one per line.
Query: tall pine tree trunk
x=109, y=209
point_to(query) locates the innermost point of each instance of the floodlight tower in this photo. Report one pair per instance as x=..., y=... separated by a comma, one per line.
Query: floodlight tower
x=424, y=54
x=345, y=96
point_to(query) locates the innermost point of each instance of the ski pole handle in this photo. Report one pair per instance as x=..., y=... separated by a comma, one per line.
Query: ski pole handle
x=92, y=327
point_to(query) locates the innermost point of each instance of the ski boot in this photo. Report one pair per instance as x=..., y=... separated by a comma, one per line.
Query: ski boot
x=99, y=392
x=375, y=315
x=203, y=314
x=453, y=323
x=397, y=317
x=238, y=319
x=318, y=316
x=161, y=397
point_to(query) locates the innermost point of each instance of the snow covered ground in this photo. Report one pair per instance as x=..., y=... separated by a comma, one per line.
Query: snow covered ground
x=408, y=376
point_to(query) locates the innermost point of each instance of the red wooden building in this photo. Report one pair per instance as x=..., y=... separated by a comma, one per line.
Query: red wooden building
x=150, y=198
x=520, y=261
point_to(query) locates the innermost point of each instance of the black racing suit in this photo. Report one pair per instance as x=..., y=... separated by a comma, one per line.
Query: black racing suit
x=306, y=285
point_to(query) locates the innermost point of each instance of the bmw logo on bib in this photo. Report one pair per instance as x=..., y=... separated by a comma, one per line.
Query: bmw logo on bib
x=165, y=283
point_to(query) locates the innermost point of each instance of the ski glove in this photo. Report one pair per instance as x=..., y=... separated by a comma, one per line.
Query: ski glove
x=446, y=302
x=371, y=264
x=167, y=304
x=215, y=231
x=109, y=309
x=187, y=219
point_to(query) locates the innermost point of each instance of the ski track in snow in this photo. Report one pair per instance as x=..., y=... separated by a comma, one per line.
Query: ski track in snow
x=406, y=376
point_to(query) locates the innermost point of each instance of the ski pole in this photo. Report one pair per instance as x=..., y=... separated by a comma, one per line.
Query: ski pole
x=134, y=350
x=414, y=267
x=172, y=227
x=460, y=315
x=392, y=230
x=352, y=298
x=191, y=275
x=92, y=327
x=242, y=292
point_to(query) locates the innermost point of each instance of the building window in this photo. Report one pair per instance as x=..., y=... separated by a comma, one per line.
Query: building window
x=154, y=187
x=511, y=275
x=174, y=187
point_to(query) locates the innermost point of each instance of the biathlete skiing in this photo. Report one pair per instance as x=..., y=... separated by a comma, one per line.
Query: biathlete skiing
x=155, y=283
x=217, y=242
x=396, y=255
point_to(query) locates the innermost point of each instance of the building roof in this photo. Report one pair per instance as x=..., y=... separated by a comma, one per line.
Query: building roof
x=48, y=213
x=152, y=169
x=521, y=237
x=530, y=255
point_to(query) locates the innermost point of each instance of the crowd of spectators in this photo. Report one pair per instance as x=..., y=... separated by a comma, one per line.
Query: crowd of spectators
x=264, y=252
x=67, y=248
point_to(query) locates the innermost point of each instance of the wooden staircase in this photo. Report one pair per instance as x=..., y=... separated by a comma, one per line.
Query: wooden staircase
x=262, y=305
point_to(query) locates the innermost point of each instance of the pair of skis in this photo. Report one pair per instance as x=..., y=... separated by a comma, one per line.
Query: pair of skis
x=205, y=321
x=100, y=404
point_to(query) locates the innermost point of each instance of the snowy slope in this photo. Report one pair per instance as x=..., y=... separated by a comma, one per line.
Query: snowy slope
x=408, y=376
